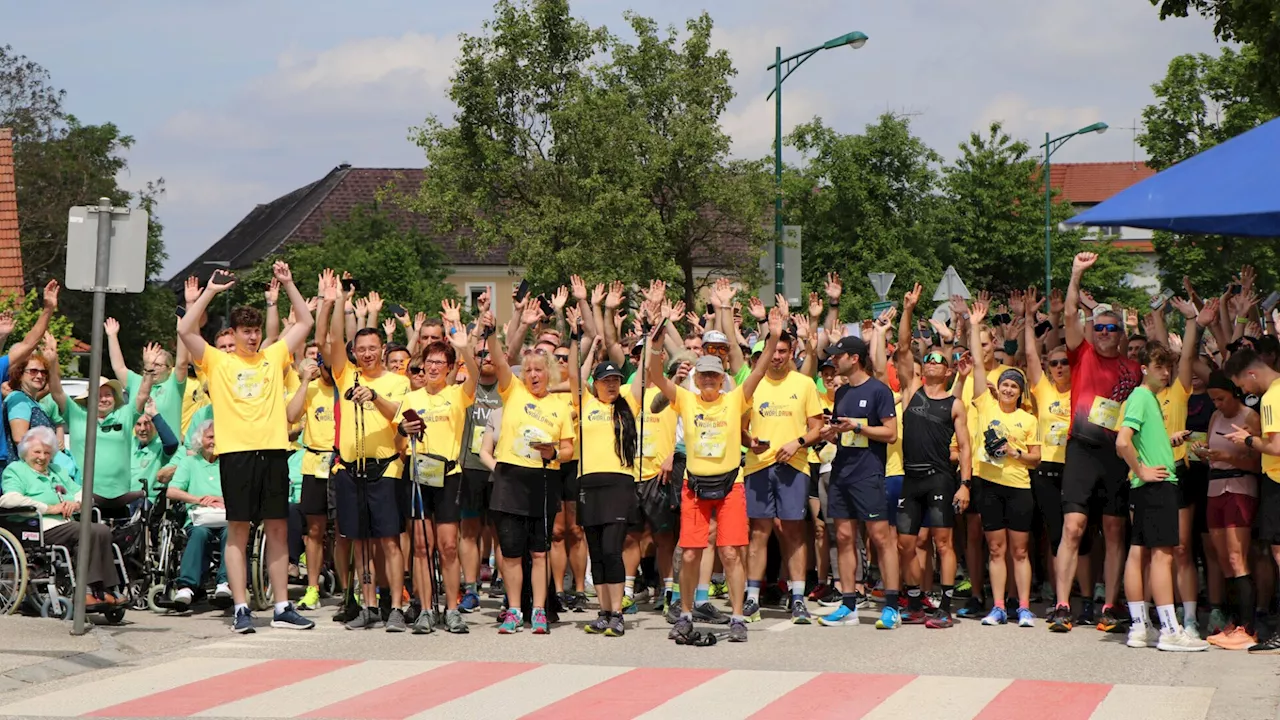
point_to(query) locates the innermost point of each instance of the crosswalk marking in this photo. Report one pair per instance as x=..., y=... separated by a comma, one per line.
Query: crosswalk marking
x=415, y=690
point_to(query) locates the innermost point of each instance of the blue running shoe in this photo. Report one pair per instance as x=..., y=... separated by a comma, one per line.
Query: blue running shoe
x=243, y=622
x=840, y=616
x=289, y=619
x=1026, y=618
x=890, y=618
x=997, y=616
x=470, y=602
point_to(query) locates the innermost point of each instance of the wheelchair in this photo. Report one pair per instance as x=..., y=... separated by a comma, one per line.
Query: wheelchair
x=39, y=579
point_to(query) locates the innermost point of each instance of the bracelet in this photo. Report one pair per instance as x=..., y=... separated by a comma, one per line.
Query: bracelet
x=351, y=312
x=271, y=304
x=833, y=303
x=1242, y=321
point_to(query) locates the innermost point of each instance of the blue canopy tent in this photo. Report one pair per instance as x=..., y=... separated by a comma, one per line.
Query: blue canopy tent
x=1229, y=189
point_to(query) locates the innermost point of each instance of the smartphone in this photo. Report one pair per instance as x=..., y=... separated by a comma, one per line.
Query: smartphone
x=1159, y=300
x=397, y=310
x=349, y=284
x=1234, y=289
x=221, y=277
x=762, y=443
x=540, y=446
x=522, y=292
x=1272, y=300
x=544, y=302
x=180, y=311
x=1002, y=319
x=656, y=335
x=1043, y=328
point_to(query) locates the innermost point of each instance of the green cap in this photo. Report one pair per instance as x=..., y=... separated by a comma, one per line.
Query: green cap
x=757, y=348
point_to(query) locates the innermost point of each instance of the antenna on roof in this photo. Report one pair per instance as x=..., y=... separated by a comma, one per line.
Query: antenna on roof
x=1133, y=129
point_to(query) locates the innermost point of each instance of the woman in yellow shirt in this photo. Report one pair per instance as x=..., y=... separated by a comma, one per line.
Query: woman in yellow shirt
x=537, y=434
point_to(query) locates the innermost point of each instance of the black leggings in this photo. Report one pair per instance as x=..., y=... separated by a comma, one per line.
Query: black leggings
x=604, y=543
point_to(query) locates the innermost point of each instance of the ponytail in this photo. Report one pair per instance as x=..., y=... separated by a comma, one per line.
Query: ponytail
x=625, y=440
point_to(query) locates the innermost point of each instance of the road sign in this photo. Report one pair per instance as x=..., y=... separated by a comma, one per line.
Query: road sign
x=951, y=285
x=790, y=268
x=881, y=282
x=126, y=254
x=879, y=307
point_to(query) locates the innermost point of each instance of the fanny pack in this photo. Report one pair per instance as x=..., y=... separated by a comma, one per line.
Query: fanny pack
x=374, y=468
x=1225, y=474
x=712, y=487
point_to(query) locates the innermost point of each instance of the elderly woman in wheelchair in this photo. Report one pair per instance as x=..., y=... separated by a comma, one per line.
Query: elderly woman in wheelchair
x=33, y=484
x=197, y=482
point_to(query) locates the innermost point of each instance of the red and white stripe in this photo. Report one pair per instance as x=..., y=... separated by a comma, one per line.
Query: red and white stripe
x=399, y=690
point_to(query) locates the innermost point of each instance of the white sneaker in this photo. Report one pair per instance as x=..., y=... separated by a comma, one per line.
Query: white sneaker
x=1141, y=636
x=1192, y=630
x=183, y=597
x=222, y=592
x=1181, y=642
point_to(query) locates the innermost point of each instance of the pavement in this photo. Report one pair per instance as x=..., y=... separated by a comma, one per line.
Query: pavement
x=185, y=666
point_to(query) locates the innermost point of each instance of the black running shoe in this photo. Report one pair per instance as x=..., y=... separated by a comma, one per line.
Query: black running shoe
x=1060, y=619
x=1087, y=615
x=708, y=613
x=1112, y=623
x=1270, y=646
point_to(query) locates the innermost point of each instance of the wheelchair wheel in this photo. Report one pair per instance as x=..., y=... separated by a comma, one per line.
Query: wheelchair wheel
x=328, y=583
x=56, y=607
x=153, y=595
x=13, y=573
x=260, y=595
x=114, y=616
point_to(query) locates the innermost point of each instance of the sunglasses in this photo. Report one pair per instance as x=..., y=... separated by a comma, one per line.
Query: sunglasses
x=1106, y=327
x=957, y=356
x=1059, y=363
x=562, y=358
x=113, y=427
x=938, y=358
x=36, y=371
x=416, y=369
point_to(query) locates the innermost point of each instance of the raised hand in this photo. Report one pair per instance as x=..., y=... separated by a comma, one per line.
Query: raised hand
x=362, y=307
x=573, y=316
x=532, y=314
x=375, y=303
x=280, y=271
x=191, y=289
x=1031, y=303
x=676, y=311
x=597, y=294
x=313, y=304
x=49, y=349
x=886, y=317
x=833, y=287
x=723, y=292
x=911, y=298
x=272, y=293
x=777, y=320
x=51, y=295
x=1208, y=315
x=560, y=298
x=1017, y=303
x=815, y=305
x=229, y=279
x=330, y=287
x=1057, y=302
x=578, y=287
x=482, y=302
x=802, y=326
x=1247, y=278
x=1083, y=261
x=978, y=311
x=452, y=311
x=1240, y=304
x=456, y=333
x=150, y=356
x=613, y=298
x=756, y=307
x=389, y=327
x=1185, y=307
x=112, y=327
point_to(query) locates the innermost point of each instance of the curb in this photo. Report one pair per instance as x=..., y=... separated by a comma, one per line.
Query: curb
x=108, y=654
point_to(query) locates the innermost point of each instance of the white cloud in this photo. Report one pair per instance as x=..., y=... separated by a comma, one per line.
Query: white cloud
x=1021, y=119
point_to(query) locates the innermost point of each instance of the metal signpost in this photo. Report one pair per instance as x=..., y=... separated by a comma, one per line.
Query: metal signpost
x=788, y=277
x=111, y=232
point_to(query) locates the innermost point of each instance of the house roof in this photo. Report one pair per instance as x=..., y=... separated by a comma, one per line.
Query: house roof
x=1091, y=183
x=10, y=249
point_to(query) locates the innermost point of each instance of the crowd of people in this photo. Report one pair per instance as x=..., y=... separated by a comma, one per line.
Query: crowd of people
x=968, y=465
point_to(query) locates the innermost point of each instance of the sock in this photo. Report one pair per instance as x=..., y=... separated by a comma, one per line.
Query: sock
x=1168, y=619
x=1024, y=605
x=674, y=587
x=280, y=606
x=997, y=603
x=1138, y=613
x=702, y=594
x=686, y=616
x=717, y=578
x=915, y=599
x=948, y=592
x=797, y=588
x=891, y=599
x=737, y=618
x=1189, y=612
x=753, y=590
x=470, y=587
x=850, y=601
x=241, y=606
x=629, y=587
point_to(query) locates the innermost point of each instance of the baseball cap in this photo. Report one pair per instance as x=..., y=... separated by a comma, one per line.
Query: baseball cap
x=709, y=364
x=713, y=337
x=604, y=370
x=757, y=348
x=848, y=345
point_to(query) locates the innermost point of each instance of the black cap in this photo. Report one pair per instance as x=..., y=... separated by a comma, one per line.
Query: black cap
x=849, y=345
x=604, y=370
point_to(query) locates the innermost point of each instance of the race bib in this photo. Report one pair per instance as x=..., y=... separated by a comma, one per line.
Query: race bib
x=248, y=384
x=710, y=444
x=851, y=439
x=1193, y=439
x=428, y=471
x=827, y=454
x=1056, y=434
x=648, y=446
x=323, y=462
x=477, y=439
x=1105, y=413
x=527, y=437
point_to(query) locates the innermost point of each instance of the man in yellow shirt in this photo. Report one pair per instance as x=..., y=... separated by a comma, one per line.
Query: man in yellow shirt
x=786, y=418
x=251, y=427
x=364, y=477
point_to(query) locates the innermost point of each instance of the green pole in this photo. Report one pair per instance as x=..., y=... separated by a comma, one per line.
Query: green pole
x=1048, y=226
x=778, y=285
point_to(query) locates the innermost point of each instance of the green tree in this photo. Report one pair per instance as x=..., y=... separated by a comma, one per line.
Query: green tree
x=386, y=255
x=994, y=223
x=1251, y=23
x=1202, y=101
x=868, y=203
x=585, y=154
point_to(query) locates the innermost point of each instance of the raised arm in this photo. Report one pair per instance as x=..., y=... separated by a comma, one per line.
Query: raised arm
x=118, y=366
x=833, y=289
x=298, y=402
x=150, y=357
x=1071, y=318
x=501, y=365
x=1035, y=370
x=334, y=346
x=295, y=338
x=528, y=318
x=777, y=320
x=458, y=336
x=24, y=347
x=612, y=300
x=272, y=296
x=189, y=325
x=329, y=295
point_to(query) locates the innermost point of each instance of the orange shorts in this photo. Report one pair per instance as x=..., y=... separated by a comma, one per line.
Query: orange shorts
x=732, y=528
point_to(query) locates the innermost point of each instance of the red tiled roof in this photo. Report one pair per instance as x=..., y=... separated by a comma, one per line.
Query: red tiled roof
x=1091, y=183
x=10, y=249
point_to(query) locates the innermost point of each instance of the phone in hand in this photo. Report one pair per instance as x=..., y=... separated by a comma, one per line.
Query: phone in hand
x=1234, y=289
x=1272, y=300
x=398, y=310
x=350, y=284
x=1001, y=319
x=1158, y=301
x=522, y=291
x=1043, y=328
x=180, y=311
x=544, y=302
x=221, y=277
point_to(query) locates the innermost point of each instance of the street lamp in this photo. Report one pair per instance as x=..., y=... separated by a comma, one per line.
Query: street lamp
x=853, y=41
x=225, y=265
x=1050, y=147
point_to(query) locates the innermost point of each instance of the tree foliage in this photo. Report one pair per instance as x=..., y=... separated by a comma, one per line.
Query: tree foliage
x=586, y=154
x=1252, y=23
x=1202, y=101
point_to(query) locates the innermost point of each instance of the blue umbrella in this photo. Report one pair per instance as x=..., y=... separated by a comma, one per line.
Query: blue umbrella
x=1229, y=189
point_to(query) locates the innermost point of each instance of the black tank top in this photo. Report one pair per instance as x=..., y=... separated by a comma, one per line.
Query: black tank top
x=927, y=431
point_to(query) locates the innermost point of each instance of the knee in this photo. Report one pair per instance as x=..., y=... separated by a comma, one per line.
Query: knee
x=844, y=534
x=730, y=556
x=691, y=557
x=1020, y=553
x=1236, y=560
x=448, y=546
x=943, y=546
x=997, y=550
x=1072, y=530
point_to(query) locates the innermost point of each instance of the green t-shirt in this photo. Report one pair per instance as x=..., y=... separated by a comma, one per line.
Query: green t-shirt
x=167, y=396
x=51, y=488
x=147, y=461
x=1151, y=439
x=198, y=477
x=113, y=457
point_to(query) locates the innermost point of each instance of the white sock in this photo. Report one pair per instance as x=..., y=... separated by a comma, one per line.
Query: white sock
x=1138, y=613
x=1168, y=619
x=241, y=606
x=797, y=588
x=629, y=588
x=753, y=593
x=280, y=606
x=1189, y=612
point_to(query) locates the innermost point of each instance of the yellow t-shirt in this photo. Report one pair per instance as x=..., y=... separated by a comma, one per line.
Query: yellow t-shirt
x=193, y=398
x=893, y=458
x=1055, y=419
x=966, y=397
x=526, y=420
x=1173, y=407
x=318, y=429
x=658, y=440
x=712, y=431
x=445, y=415
x=1019, y=429
x=247, y=393
x=780, y=414
x=379, y=438
x=599, y=451
x=1269, y=411
x=828, y=451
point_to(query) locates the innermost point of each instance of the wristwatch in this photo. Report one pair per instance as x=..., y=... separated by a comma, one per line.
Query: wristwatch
x=857, y=428
x=966, y=483
x=801, y=441
x=1248, y=441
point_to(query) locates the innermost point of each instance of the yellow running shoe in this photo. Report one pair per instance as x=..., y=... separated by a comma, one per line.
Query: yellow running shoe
x=311, y=599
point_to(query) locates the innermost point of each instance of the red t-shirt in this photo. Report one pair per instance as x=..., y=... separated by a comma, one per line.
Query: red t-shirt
x=1098, y=387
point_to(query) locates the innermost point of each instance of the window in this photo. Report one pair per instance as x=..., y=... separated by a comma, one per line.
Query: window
x=1109, y=231
x=474, y=291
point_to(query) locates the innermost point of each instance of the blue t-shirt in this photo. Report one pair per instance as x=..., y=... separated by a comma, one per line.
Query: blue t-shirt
x=858, y=457
x=4, y=431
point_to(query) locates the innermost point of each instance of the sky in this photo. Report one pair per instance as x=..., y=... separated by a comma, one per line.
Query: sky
x=237, y=102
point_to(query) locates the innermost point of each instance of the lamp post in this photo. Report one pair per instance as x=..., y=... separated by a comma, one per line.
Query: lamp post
x=225, y=265
x=853, y=40
x=1050, y=147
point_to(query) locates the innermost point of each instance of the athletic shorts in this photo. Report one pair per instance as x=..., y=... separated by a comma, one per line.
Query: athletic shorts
x=1155, y=515
x=316, y=496
x=605, y=499
x=861, y=499
x=368, y=509
x=659, y=517
x=518, y=534
x=1267, y=521
x=925, y=502
x=1046, y=488
x=976, y=487
x=1094, y=473
x=893, y=497
x=778, y=491
x=569, y=481
x=730, y=514
x=446, y=502
x=1193, y=482
x=255, y=484
x=1007, y=508
x=1231, y=510
x=815, y=472
x=476, y=491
